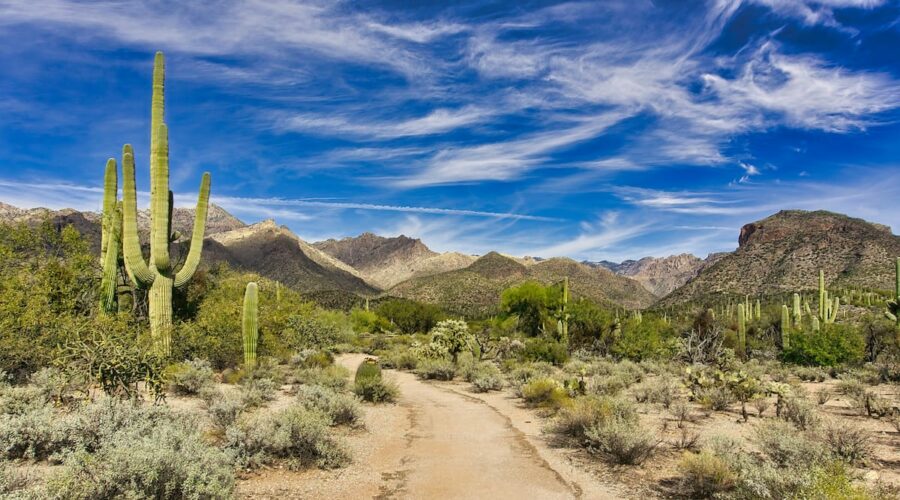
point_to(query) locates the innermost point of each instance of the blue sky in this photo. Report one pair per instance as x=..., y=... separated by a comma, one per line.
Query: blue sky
x=596, y=130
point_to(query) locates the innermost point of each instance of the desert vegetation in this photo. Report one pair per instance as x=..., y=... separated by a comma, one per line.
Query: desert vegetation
x=165, y=376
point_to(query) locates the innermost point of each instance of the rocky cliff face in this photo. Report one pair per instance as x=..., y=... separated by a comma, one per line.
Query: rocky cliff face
x=783, y=253
x=658, y=275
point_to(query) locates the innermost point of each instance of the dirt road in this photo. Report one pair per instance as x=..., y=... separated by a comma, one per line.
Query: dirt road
x=440, y=442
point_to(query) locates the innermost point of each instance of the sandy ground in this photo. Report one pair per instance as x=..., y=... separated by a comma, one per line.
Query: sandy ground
x=439, y=442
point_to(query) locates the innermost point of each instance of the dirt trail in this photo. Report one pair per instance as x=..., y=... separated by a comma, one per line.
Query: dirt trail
x=440, y=442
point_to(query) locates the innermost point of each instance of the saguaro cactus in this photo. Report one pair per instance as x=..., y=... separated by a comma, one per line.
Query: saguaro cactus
x=249, y=324
x=110, y=239
x=785, y=327
x=563, y=322
x=893, y=306
x=158, y=274
x=828, y=308
x=798, y=314
x=742, y=328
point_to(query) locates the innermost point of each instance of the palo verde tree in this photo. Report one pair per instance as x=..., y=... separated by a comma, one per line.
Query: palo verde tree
x=158, y=273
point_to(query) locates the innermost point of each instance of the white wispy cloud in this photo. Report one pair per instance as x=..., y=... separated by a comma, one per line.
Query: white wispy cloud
x=435, y=122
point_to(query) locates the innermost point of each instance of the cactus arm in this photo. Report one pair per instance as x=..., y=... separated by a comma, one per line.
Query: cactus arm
x=159, y=203
x=249, y=324
x=134, y=259
x=110, y=197
x=193, y=258
x=157, y=116
x=109, y=242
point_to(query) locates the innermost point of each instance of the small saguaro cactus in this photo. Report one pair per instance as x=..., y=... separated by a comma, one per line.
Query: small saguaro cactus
x=110, y=239
x=797, y=312
x=158, y=273
x=893, y=306
x=563, y=321
x=785, y=327
x=742, y=328
x=250, y=324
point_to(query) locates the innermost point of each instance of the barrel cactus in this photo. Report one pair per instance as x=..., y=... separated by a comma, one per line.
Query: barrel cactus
x=158, y=273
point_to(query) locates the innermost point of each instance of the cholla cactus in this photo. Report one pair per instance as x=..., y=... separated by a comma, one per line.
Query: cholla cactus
x=249, y=324
x=158, y=273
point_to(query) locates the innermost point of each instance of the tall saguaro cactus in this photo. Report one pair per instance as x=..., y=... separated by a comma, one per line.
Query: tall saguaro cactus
x=158, y=274
x=249, y=324
x=742, y=329
x=785, y=327
x=828, y=308
x=563, y=322
x=110, y=240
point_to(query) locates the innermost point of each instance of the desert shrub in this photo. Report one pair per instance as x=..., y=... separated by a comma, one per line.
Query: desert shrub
x=436, y=369
x=364, y=321
x=582, y=413
x=189, y=377
x=256, y=392
x=761, y=404
x=522, y=374
x=546, y=350
x=850, y=386
x=334, y=377
x=486, y=377
x=799, y=411
x=57, y=384
x=831, y=346
x=341, y=409
x=223, y=408
x=376, y=390
x=811, y=374
x=649, y=338
x=311, y=358
x=870, y=404
x=621, y=441
x=823, y=396
x=681, y=411
x=401, y=359
x=717, y=398
x=704, y=475
x=295, y=435
x=165, y=461
x=848, y=442
x=785, y=445
x=12, y=482
x=660, y=391
x=318, y=329
x=35, y=433
x=832, y=480
x=544, y=392
x=368, y=369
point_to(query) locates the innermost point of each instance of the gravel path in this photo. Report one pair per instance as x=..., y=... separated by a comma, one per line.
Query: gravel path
x=438, y=442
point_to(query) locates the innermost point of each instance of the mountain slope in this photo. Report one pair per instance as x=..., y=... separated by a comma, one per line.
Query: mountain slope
x=384, y=262
x=658, y=275
x=475, y=290
x=275, y=252
x=784, y=252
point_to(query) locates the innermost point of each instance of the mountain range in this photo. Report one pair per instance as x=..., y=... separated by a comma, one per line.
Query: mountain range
x=777, y=254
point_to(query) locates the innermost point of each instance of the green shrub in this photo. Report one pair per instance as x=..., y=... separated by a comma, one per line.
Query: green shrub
x=376, y=390
x=334, y=377
x=166, y=461
x=704, y=475
x=546, y=350
x=831, y=346
x=400, y=359
x=341, y=409
x=582, y=413
x=189, y=377
x=409, y=316
x=486, y=377
x=295, y=435
x=313, y=359
x=544, y=392
x=436, y=369
x=368, y=369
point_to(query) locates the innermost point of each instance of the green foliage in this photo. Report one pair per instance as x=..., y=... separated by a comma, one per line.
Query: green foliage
x=189, y=377
x=368, y=369
x=650, y=338
x=366, y=321
x=583, y=413
x=621, y=441
x=529, y=302
x=543, y=349
x=409, y=316
x=376, y=390
x=320, y=329
x=44, y=293
x=334, y=377
x=545, y=392
x=831, y=345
